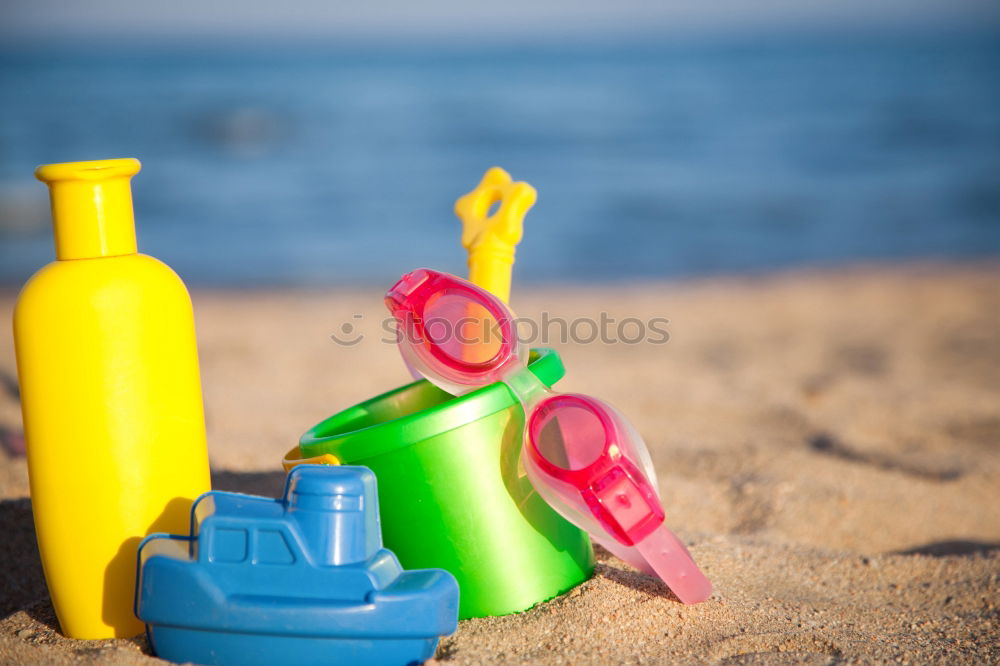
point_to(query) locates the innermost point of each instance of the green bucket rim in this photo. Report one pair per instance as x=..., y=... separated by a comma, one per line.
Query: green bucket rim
x=339, y=435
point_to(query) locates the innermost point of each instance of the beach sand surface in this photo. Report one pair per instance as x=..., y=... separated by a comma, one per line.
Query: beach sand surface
x=827, y=443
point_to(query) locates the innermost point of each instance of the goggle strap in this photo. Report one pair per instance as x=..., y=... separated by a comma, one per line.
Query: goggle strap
x=671, y=561
x=526, y=387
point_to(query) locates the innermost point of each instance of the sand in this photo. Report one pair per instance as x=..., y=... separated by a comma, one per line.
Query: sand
x=826, y=442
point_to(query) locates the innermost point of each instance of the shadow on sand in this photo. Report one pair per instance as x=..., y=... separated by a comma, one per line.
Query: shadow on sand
x=952, y=548
x=22, y=582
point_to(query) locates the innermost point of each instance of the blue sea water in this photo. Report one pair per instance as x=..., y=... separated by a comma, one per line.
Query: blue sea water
x=328, y=165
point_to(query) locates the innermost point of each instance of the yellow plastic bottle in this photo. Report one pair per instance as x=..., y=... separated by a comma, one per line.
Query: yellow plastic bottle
x=111, y=399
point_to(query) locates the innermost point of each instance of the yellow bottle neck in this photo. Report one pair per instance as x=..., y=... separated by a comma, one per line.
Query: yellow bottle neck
x=91, y=207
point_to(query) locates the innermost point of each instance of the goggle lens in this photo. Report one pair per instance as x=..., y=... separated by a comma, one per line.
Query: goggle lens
x=461, y=328
x=567, y=434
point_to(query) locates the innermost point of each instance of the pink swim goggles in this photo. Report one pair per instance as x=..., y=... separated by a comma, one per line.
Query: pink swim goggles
x=580, y=454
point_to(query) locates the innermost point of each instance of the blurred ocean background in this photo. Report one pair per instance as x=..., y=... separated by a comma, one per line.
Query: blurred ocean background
x=654, y=157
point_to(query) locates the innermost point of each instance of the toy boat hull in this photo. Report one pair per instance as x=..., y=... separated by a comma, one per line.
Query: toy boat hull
x=182, y=644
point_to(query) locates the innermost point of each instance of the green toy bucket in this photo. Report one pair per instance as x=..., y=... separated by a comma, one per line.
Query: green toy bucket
x=452, y=493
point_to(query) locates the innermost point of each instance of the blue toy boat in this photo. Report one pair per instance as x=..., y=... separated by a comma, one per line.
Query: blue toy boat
x=302, y=579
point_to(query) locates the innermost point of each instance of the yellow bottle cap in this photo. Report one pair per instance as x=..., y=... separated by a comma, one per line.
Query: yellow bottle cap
x=91, y=207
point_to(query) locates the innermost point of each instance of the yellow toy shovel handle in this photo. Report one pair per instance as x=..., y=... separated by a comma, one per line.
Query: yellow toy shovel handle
x=491, y=239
